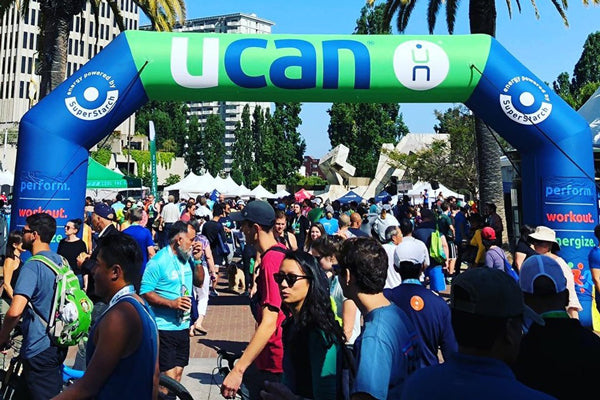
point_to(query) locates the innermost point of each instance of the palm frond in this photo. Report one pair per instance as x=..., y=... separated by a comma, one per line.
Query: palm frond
x=117, y=14
x=406, y=10
x=451, y=8
x=535, y=9
x=163, y=14
x=390, y=9
x=561, y=11
x=509, y=6
x=95, y=9
x=5, y=6
x=518, y=5
x=432, y=10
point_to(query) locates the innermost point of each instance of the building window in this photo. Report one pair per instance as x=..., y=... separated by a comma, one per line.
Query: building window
x=31, y=39
x=30, y=65
x=89, y=51
x=83, y=26
x=68, y=69
x=76, y=24
x=23, y=63
x=92, y=28
x=21, y=90
x=33, y=17
x=24, y=40
x=26, y=17
x=102, y=29
x=70, y=46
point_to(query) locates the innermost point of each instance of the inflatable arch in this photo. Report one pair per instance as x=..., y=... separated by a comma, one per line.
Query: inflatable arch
x=553, y=140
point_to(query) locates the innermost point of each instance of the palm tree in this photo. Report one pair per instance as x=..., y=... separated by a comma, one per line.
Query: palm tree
x=56, y=19
x=482, y=19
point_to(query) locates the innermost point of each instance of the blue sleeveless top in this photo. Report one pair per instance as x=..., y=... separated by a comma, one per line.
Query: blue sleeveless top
x=133, y=376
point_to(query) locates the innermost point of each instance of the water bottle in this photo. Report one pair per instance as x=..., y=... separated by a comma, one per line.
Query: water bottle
x=182, y=315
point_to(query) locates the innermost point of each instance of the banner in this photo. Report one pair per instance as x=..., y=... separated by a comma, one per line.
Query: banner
x=153, y=158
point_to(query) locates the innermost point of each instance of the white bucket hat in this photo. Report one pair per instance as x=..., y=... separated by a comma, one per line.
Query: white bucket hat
x=545, y=234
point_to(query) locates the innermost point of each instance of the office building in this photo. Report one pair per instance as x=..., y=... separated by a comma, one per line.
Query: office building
x=19, y=35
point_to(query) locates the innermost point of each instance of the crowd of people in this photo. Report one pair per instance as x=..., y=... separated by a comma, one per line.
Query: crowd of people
x=349, y=299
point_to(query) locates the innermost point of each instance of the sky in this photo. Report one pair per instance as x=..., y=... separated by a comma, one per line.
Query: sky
x=545, y=46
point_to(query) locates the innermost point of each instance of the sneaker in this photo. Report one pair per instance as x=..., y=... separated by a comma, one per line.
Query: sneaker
x=213, y=293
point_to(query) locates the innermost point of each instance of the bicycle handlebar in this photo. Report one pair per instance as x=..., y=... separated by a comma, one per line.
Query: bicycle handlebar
x=231, y=357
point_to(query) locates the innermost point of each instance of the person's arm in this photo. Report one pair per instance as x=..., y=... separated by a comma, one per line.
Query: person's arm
x=349, y=310
x=149, y=282
x=293, y=241
x=9, y=268
x=12, y=317
x=446, y=251
x=151, y=251
x=210, y=262
x=118, y=333
x=519, y=258
x=259, y=340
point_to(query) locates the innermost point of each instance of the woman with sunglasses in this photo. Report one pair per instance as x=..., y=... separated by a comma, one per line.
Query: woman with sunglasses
x=71, y=247
x=316, y=231
x=312, y=338
x=12, y=267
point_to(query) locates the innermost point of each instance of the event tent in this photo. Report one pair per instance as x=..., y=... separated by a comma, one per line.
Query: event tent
x=419, y=187
x=590, y=111
x=103, y=182
x=281, y=194
x=382, y=196
x=350, y=196
x=6, y=178
x=302, y=195
x=261, y=193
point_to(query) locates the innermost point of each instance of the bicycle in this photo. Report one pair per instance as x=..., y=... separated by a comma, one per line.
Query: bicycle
x=10, y=376
x=174, y=389
x=223, y=370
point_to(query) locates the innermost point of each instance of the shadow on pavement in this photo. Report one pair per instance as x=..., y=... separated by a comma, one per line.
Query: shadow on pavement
x=227, y=300
x=215, y=344
x=207, y=379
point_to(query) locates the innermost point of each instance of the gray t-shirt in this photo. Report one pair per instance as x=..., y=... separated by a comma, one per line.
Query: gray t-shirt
x=36, y=283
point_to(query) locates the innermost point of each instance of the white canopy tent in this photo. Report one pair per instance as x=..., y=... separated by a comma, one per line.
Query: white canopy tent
x=193, y=185
x=419, y=187
x=590, y=111
x=6, y=178
x=261, y=193
x=281, y=194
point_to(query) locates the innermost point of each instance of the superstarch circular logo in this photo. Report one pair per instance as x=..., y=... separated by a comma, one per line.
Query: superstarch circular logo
x=92, y=96
x=420, y=65
x=525, y=101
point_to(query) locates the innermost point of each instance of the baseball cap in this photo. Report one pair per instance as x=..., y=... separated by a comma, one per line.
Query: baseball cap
x=329, y=209
x=398, y=258
x=489, y=292
x=387, y=207
x=241, y=202
x=488, y=233
x=538, y=265
x=105, y=211
x=258, y=211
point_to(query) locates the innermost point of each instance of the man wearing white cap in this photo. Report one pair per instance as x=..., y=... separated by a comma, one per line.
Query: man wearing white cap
x=545, y=243
x=554, y=357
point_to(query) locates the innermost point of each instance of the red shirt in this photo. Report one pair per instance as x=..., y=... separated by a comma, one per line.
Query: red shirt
x=271, y=357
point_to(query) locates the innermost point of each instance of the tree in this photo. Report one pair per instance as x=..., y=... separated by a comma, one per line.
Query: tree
x=282, y=146
x=451, y=162
x=193, y=139
x=170, y=123
x=586, y=75
x=55, y=22
x=213, y=144
x=243, y=168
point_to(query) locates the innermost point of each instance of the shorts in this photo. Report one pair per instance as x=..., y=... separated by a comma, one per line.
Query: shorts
x=437, y=281
x=451, y=250
x=174, y=349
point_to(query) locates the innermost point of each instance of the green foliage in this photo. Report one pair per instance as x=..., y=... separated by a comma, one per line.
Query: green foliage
x=363, y=128
x=192, y=156
x=282, y=146
x=170, y=124
x=586, y=75
x=172, y=179
x=450, y=162
x=244, y=168
x=103, y=156
x=142, y=159
x=213, y=144
x=309, y=181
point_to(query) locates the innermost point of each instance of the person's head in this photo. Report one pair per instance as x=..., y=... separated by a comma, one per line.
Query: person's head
x=135, y=214
x=476, y=221
x=118, y=263
x=427, y=215
x=355, y=220
x=171, y=198
x=102, y=216
x=406, y=227
x=181, y=236
x=191, y=208
x=305, y=292
x=280, y=222
x=490, y=208
x=297, y=208
x=14, y=243
x=150, y=198
x=488, y=237
x=444, y=206
x=525, y=231
x=218, y=210
x=363, y=265
x=315, y=231
x=597, y=232
x=544, y=240
x=543, y=284
x=39, y=228
x=408, y=268
x=325, y=249
x=329, y=211
x=72, y=226
x=487, y=313
x=344, y=221
x=393, y=235
x=385, y=209
x=257, y=220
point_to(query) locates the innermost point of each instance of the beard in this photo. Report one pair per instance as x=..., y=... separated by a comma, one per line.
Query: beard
x=183, y=255
x=27, y=245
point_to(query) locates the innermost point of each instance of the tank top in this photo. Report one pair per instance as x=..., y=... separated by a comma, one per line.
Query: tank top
x=133, y=376
x=13, y=282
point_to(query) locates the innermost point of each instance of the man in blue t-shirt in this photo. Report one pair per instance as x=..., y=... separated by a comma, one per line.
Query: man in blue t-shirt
x=388, y=349
x=428, y=311
x=167, y=286
x=142, y=236
x=42, y=360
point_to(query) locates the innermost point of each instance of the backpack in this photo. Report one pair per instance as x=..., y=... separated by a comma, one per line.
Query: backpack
x=436, y=250
x=509, y=269
x=71, y=313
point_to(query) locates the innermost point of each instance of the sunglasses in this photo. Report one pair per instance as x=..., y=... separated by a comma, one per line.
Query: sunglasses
x=290, y=279
x=25, y=230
